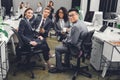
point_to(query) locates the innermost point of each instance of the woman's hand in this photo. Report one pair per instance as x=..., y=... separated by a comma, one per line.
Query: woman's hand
x=67, y=29
x=33, y=43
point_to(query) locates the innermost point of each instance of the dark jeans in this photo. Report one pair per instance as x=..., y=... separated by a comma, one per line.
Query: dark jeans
x=59, y=50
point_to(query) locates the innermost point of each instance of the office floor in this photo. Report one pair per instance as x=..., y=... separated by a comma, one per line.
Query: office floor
x=44, y=75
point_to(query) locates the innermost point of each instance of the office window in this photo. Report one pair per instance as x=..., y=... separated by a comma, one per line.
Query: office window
x=75, y=3
x=108, y=5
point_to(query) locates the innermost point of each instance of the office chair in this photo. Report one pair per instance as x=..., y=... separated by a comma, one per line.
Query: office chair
x=84, y=52
x=52, y=32
x=24, y=55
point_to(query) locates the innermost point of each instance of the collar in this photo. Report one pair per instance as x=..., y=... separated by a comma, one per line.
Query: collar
x=75, y=22
x=43, y=18
x=27, y=19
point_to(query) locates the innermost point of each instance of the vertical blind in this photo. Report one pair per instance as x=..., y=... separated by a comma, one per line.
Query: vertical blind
x=108, y=5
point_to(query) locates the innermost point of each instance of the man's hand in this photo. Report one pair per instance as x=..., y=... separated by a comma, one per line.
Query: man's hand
x=40, y=37
x=42, y=30
x=62, y=32
x=33, y=43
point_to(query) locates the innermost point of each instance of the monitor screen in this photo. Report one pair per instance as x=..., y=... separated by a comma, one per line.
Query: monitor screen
x=89, y=16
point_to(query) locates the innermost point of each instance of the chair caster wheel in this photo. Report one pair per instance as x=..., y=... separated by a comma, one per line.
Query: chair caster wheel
x=14, y=74
x=87, y=69
x=43, y=68
x=32, y=76
x=73, y=78
x=90, y=76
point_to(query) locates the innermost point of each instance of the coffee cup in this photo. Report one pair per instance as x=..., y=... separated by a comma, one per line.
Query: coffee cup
x=64, y=29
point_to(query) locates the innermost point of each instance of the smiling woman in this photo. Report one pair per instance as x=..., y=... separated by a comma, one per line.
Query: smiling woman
x=28, y=13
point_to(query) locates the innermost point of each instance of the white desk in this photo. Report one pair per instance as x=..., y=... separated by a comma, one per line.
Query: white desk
x=111, y=53
x=4, y=64
x=110, y=34
x=4, y=53
x=12, y=23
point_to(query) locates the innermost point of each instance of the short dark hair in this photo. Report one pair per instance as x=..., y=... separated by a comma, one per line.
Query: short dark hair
x=73, y=9
x=47, y=8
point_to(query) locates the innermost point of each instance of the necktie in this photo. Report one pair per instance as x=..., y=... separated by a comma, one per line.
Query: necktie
x=43, y=22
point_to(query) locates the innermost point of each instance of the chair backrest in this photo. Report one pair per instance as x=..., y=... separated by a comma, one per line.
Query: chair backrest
x=18, y=36
x=89, y=36
x=87, y=43
x=86, y=46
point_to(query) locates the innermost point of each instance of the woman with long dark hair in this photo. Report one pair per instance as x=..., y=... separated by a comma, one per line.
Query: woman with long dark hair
x=61, y=23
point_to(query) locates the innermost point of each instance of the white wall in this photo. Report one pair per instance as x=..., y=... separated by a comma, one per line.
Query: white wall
x=94, y=5
x=118, y=7
x=62, y=3
x=33, y=3
x=83, y=7
x=0, y=3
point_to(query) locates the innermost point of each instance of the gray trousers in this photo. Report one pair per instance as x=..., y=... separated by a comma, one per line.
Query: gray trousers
x=59, y=50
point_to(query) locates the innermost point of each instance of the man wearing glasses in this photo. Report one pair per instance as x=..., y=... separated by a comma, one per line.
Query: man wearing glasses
x=75, y=37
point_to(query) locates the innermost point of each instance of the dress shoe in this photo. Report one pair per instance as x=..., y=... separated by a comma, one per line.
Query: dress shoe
x=55, y=70
x=66, y=65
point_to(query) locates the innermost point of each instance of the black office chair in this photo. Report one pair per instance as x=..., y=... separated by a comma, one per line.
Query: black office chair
x=84, y=52
x=24, y=55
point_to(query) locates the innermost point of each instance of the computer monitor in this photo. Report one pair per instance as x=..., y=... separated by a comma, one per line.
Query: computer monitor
x=89, y=16
x=98, y=18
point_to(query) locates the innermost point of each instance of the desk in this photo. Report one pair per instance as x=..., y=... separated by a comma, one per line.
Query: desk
x=4, y=52
x=110, y=34
x=111, y=53
x=4, y=64
x=12, y=23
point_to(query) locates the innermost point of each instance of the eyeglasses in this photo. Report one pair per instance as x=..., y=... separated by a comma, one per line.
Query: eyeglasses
x=61, y=12
x=72, y=15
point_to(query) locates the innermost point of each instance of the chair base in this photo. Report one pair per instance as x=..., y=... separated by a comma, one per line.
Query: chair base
x=82, y=71
x=28, y=66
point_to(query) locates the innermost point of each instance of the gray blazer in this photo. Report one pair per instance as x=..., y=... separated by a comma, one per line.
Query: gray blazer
x=58, y=28
x=78, y=33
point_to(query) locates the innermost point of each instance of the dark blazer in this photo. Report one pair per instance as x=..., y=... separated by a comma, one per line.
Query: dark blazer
x=26, y=31
x=47, y=25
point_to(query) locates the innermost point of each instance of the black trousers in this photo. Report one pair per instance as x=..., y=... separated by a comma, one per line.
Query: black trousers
x=45, y=48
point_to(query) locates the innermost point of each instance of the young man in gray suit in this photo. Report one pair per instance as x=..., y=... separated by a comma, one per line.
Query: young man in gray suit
x=76, y=36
